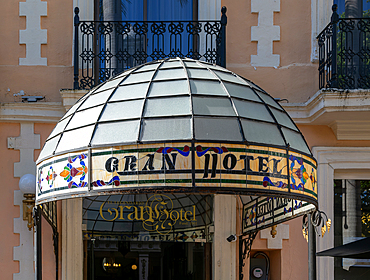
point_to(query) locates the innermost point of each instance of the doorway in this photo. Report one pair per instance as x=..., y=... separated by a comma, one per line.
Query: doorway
x=140, y=260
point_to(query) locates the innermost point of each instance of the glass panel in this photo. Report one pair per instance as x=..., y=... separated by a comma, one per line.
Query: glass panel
x=147, y=67
x=207, y=87
x=109, y=84
x=170, y=74
x=59, y=127
x=85, y=117
x=295, y=140
x=49, y=147
x=253, y=85
x=201, y=74
x=155, y=107
x=262, y=133
x=193, y=64
x=74, y=139
x=283, y=119
x=122, y=110
x=217, y=129
x=165, y=129
x=240, y=91
x=74, y=108
x=117, y=132
x=130, y=92
x=212, y=66
x=171, y=64
x=213, y=106
x=125, y=73
x=252, y=110
x=170, y=10
x=228, y=76
x=138, y=77
x=268, y=99
x=96, y=99
x=168, y=88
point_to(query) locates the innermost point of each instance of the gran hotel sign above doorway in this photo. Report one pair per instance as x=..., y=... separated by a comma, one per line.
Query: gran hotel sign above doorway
x=281, y=183
x=148, y=217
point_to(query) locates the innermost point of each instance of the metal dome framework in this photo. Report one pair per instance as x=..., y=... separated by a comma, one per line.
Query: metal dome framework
x=174, y=100
x=181, y=126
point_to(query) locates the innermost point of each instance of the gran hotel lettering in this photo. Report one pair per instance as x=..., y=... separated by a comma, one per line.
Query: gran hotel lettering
x=213, y=163
x=156, y=214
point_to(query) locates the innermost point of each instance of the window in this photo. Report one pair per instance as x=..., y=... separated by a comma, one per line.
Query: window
x=351, y=223
x=133, y=42
x=342, y=4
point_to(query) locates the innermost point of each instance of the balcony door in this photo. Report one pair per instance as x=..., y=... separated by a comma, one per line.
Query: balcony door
x=133, y=42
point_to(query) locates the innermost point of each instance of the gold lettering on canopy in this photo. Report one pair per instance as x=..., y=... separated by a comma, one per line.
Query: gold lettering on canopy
x=157, y=215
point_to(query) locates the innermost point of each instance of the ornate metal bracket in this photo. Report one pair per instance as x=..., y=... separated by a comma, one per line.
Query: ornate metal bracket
x=319, y=220
x=245, y=246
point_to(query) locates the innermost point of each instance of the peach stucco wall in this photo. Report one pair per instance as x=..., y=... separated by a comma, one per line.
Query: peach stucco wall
x=36, y=80
x=8, y=239
x=296, y=78
x=290, y=263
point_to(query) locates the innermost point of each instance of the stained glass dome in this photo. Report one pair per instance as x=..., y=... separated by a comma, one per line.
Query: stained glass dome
x=171, y=100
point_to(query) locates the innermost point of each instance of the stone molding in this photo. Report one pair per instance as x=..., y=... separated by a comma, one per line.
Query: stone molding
x=24, y=253
x=265, y=33
x=320, y=17
x=45, y=112
x=347, y=160
x=33, y=36
x=328, y=101
x=26, y=143
x=277, y=241
x=351, y=130
x=331, y=108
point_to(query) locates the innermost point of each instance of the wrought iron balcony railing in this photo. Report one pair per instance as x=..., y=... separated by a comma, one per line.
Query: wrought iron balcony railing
x=102, y=49
x=344, y=53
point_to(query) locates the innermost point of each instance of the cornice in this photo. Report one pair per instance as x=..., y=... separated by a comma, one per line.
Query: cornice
x=45, y=112
x=330, y=105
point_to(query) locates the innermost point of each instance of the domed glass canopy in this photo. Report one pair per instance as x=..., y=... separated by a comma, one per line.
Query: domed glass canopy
x=180, y=126
x=174, y=100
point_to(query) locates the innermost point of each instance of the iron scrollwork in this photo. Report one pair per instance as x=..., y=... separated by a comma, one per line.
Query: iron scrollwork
x=245, y=245
x=106, y=48
x=344, y=53
x=320, y=222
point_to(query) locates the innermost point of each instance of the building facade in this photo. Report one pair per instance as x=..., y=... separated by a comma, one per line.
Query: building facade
x=274, y=43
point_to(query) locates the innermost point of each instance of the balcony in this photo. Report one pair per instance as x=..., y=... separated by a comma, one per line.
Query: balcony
x=344, y=53
x=103, y=49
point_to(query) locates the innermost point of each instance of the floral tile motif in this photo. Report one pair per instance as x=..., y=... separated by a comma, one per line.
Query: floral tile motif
x=70, y=172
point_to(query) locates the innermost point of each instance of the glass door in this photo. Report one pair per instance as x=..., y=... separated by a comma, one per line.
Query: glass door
x=130, y=260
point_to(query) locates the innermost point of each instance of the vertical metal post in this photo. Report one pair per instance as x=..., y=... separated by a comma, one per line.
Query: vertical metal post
x=223, y=37
x=56, y=252
x=241, y=260
x=92, y=259
x=37, y=221
x=334, y=74
x=75, y=58
x=311, y=250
